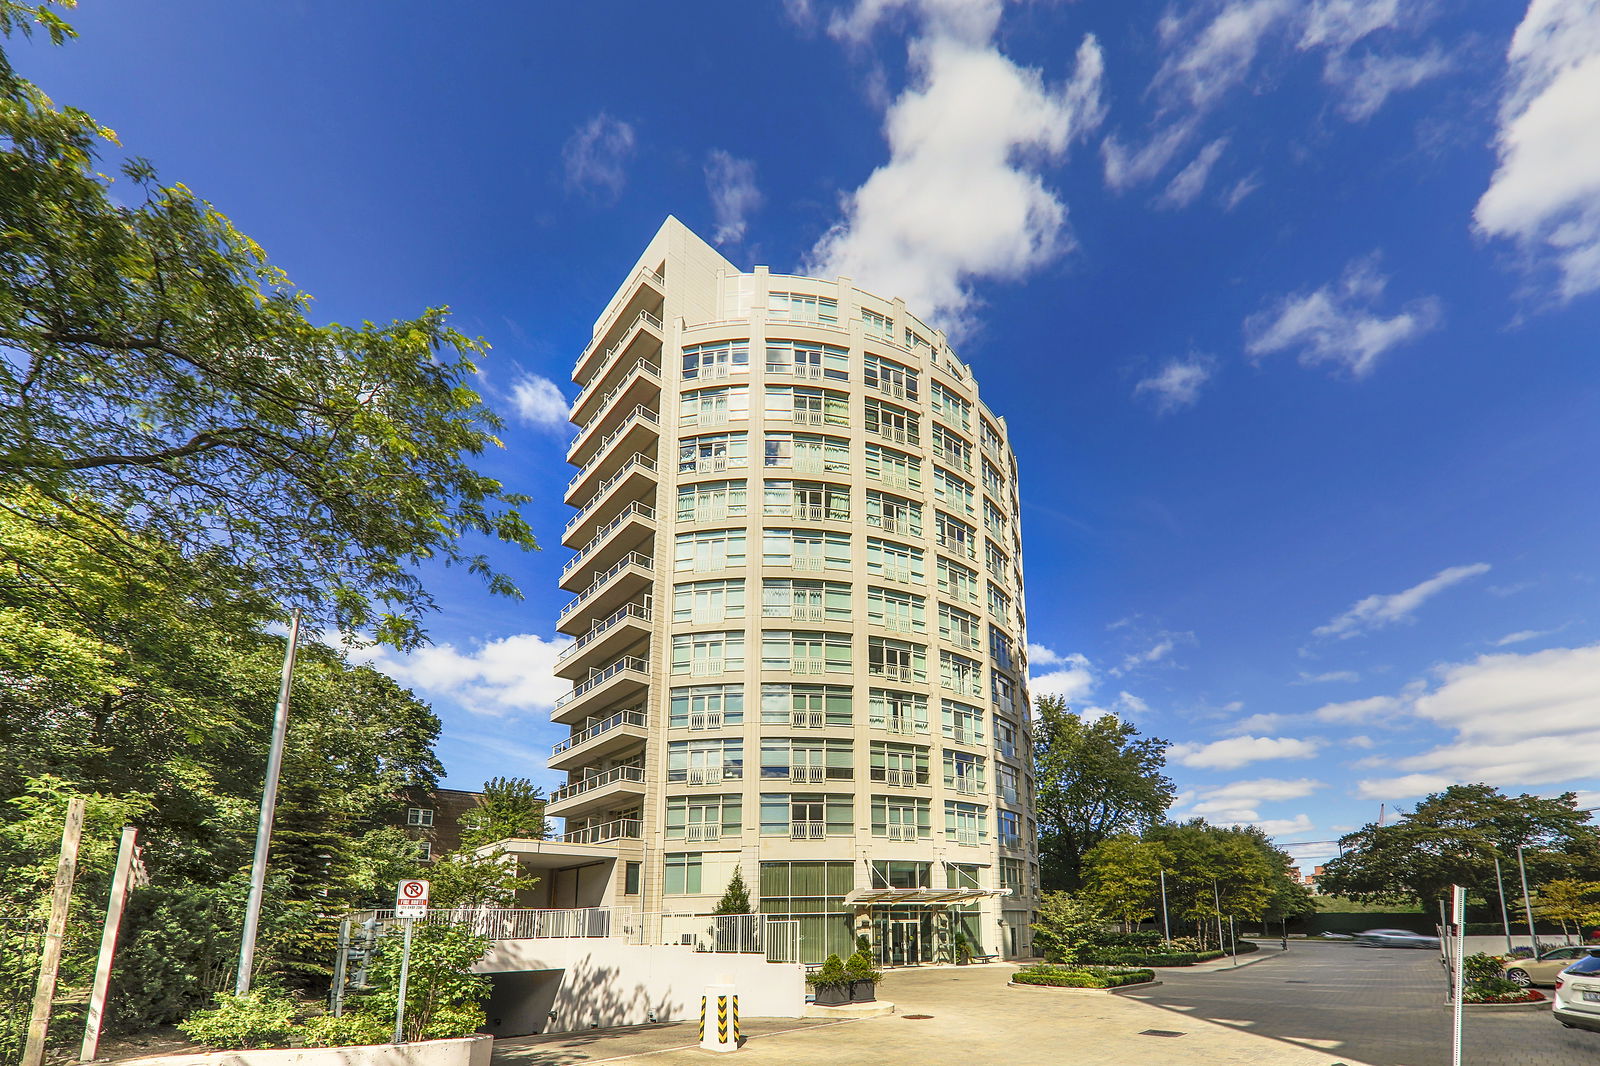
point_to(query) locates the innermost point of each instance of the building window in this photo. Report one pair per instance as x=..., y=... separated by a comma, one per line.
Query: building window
x=705, y=762
x=889, y=377
x=893, y=514
x=899, y=765
x=807, y=816
x=630, y=880
x=905, y=713
x=805, y=549
x=889, y=561
x=952, y=492
x=812, y=893
x=807, y=405
x=809, y=501
x=709, y=362
x=900, y=818
x=712, y=453
x=805, y=653
x=424, y=851
x=951, y=407
x=964, y=823
x=893, y=423
x=957, y=581
x=896, y=611
x=713, y=549
x=803, y=307
x=806, y=761
x=1010, y=826
x=896, y=470
x=890, y=874
x=963, y=772
x=708, y=654
x=711, y=501
x=806, y=453
x=805, y=706
x=897, y=660
x=699, y=819
x=800, y=359
x=805, y=601
x=682, y=874
x=962, y=724
x=707, y=408
x=876, y=325
x=706, y=707
x=422, y=816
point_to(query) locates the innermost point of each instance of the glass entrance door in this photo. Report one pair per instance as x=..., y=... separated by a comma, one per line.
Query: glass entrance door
x=905, y=942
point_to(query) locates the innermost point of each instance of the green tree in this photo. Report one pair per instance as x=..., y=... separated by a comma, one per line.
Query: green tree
x=512, y=808
x=161, y=367
x=1568, y=901
x=736, y=900
x=467, y=879
x=1222, y=871
x=1064, y=925
x=1122, y=877
x=444, y=998
x=1095, y=779
x=1452, y=838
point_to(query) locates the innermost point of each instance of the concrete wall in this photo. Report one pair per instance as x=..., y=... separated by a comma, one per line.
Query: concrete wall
x=601, y=982
x=466, y=1051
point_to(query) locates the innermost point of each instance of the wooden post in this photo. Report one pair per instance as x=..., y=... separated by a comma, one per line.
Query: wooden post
x=108, y=943
x=55, y=933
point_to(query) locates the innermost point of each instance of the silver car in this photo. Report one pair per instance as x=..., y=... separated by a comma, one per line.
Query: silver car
x=1577, y=998
x=1396, y=938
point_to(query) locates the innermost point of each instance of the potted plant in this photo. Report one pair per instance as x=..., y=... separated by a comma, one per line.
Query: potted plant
x=863, y=978
x=963, y=949
x=831, y=984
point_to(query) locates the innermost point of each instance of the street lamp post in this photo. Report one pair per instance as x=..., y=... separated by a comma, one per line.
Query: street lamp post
x=1527, y=902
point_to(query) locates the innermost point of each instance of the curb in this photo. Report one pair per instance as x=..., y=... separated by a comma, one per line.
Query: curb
x=1097, y=991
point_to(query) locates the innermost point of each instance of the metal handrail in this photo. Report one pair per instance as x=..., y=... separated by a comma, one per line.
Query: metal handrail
x=649, y=369
x=644, y=510
x=640, y=413
x=589, y=784
x=616, y=829
x=635, y=610
x=640, y=460
x=627, y=330
x=604, y=726
x=600, y=677
x=631, y=559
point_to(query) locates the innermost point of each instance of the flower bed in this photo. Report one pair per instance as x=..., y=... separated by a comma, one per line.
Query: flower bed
x=1484, y=996
x=1079, y=977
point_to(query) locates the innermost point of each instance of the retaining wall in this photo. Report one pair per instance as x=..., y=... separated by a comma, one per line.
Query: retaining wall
x=464, y=1051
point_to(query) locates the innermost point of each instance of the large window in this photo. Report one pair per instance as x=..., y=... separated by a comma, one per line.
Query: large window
x=899, y=765
x=894, y=514
x=705, y=762
x=806, y=761
x=712, y=453
x=419, y=816
x=993, y=483
x=708, y=602
x=905, y=713
x=958, y=582
x=954, y=535
x=806, y=453
x=682, y=877
x=1005, y=742
x=888, y=561
x=708, y=654
x=952, y=448
x=710, y=549
x=808, y=815
x=999, y=604
x=802, y=359
x=1011, y=874
x=711, y=501
x=963, y=724
x=893, y=423
x=896, y=470
x=706, y=707
x=807, y=405
x=993, y=520
x=1000, y=650
x=807, y=501
x=1009, y=824
x=1004, y=692
x=897, y=611
x=963, y=772
x=805, y=549
x=805, y=653
x=803, y=307
x=702, y=818
x=805, y=601
x=705, y=408
x=889, y=377
x=880, y=327
x=958, y=627
x=901, y=818
x=998, y=561
x=812, y=893
x=709, y=362
x=805, y=706
x=897, y=660
x=965, y=823
x=952, y=408
x=991, y=437
x=1005, y=780
x=952, y=492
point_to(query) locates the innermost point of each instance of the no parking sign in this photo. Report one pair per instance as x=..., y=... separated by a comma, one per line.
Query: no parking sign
x=411, y=900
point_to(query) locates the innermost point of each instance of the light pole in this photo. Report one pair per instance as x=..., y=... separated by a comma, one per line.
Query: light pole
x=1527, y=903
x=1166, y=929
x=1505, y=919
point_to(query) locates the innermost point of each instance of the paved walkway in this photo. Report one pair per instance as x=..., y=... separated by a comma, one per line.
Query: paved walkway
x=961, y=1014
x=1381, y=1006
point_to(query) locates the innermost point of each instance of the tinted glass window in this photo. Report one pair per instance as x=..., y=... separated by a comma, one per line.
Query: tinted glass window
x=1588, y=964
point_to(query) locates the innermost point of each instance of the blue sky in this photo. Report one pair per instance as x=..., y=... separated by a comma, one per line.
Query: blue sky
x=1293, y=307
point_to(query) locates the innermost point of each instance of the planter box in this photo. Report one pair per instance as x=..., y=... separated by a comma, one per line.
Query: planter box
x=863, y=991
x=831, y=995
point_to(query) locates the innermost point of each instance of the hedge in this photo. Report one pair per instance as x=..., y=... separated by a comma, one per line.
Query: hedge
x=1167, y=958
x=1062, y=978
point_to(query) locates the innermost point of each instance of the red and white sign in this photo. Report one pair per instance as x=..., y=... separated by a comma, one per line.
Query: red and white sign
x=411, y=901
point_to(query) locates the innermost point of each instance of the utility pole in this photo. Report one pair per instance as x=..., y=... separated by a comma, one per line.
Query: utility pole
x=44, y=993
x=108, y=943
x=1166, y=928
x=1217, y=896
x=1505, y=918
x=1527, y=902
x=269, y=803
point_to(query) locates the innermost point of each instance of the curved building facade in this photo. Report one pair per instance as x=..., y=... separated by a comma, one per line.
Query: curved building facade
x=798, y=615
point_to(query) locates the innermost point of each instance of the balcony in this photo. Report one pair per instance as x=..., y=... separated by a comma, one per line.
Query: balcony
x=968, y=837
x=904, y=725
x=635, y=521
x=807, y=775
x=903, y=832
x=610, y=636
x=623, y=730
x=624, y=324
x=904, y=778
x=617, y=829
x=965, y=785
x=807, y=720
x=640, y=429
x=634, y=478
x=904, y=675
x=610, y=589
x=641, y=386
x=808, y=830
x=617, y=785
x=623, y=679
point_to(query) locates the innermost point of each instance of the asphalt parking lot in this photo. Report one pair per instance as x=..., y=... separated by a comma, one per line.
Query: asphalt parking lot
x=1383, y=1006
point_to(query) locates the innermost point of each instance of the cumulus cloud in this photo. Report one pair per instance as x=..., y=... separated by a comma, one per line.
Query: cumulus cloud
x=1071, y=676
x=1545, y=193
x=1177, y=384
x=1379, y=610
x=962, y=196
x=538, y=402
x=731, y=184
x=503, y=678
x=1360, y=710
x=1339, y=323
x=1519, y=720
x=1240, y=803
x=1234, y=752
x=596, y=156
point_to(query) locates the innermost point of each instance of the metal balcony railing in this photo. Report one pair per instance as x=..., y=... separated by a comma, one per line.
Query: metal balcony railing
x=902, y=832
x=640, y=461
x=600, y=628
x=617, y=829
x=644, y=562
x=589, y=784
x=966, y=836
x=808, y=830
x=621, y=718
x=640, y=415
x=643, y=368
x=642, y=510
x=643, y=317
x=600, y=677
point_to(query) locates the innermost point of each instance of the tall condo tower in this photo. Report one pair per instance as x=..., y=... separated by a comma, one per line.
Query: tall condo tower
x=798, y=617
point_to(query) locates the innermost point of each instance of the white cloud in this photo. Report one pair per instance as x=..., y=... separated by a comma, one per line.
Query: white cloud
x=1522, y=636
x=1072, y=679
x=1257, y=723
x=961, y=197
x=1379, y=610
x=1360, y=710
x=1125, y=167
x=1339, y=323
x=1234, y=752
x=1331, y=675
x=1338, y=24
x=1359, y=741
x=731, y=184
x=503, y=678
x=1545, y=193
x=539, y=402
x=1187, y=185
x=1177, y=384
x=597, y=154
x=1519, y=720
x=1368, y=82
x=1154, y=654
x=1239, y=190
x=1220, y=55
x=1239, y=803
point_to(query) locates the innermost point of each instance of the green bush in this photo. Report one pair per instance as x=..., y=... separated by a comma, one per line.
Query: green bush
x=1070, y=977
x=831, y=975
x=263, y=1018
x=858, y=967
x=353, y=1028
x=443, y=996
x=1482, y=968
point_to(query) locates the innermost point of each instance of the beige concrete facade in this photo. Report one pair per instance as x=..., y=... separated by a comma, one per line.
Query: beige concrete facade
x=798, y=613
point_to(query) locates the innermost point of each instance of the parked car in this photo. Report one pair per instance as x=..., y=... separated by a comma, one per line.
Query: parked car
x=1396, y=938
x=1546, y=968
x=1577, y=998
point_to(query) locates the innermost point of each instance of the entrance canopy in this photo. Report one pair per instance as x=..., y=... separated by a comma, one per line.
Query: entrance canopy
x=928, y=897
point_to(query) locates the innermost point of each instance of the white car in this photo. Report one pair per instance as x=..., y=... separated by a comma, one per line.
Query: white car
x=1577, y=999
x=1397, y=938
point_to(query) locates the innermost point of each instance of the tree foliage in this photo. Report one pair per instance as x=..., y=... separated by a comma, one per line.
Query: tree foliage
x=736, y=900
x=1095, y=779
x=163, y=377
x=512, y=808
x=1064, y=925
x=1122, y=877
x=1452, y=838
